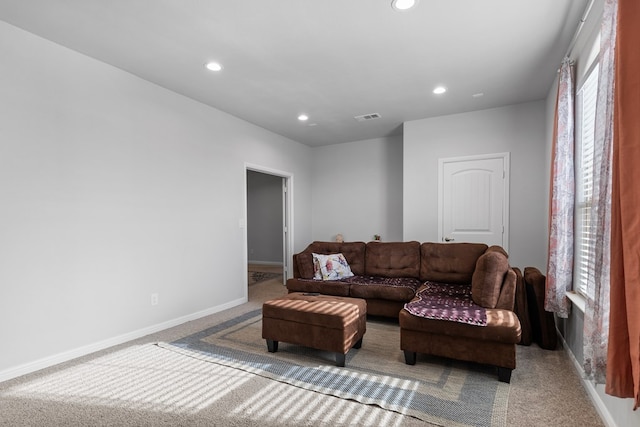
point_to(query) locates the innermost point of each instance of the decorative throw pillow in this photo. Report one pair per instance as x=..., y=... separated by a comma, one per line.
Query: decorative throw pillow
x=487, y=278
x=332, y=266
x=317, y=275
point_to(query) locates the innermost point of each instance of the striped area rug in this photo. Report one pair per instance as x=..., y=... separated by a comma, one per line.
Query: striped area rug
x=439, y=391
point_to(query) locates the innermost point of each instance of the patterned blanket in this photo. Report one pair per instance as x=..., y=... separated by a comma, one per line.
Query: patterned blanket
x=443, y=301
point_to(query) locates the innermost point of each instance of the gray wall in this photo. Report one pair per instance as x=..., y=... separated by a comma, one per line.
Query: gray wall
x=112, y=189
x=357, y=190
x=264, y=218
x=517, y=129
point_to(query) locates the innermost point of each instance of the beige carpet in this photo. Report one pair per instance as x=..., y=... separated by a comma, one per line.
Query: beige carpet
x=139, y=384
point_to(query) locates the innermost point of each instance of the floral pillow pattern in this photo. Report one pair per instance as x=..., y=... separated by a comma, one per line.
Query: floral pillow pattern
x=331, y=267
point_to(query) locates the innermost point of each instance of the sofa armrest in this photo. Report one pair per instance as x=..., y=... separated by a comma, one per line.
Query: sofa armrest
x=507, y=297
x=296, y=270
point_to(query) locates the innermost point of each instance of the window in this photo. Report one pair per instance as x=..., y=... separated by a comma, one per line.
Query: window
x=585, y=158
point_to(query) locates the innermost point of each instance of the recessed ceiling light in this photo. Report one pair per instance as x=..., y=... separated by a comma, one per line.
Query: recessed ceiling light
x=213, y=66
x=303, y=117
x=403, y=4
x=439, y=90
x=478, y=95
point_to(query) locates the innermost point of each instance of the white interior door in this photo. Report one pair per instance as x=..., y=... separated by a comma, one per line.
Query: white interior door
x=473, y=195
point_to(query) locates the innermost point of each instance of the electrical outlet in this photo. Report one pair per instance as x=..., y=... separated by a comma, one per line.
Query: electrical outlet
x=154, y=299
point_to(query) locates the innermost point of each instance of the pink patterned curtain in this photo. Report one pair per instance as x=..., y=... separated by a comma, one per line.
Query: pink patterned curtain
x=560, y=264
x=623, y=355
x=596, y=316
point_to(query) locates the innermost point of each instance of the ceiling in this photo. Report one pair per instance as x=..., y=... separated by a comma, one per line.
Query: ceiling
x=330, y=59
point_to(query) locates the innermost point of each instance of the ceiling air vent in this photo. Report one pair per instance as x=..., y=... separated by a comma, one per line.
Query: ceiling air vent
x=366, y=117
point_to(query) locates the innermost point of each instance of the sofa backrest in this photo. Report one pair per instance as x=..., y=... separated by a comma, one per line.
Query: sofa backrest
x=352, y=251
x=392, y=259
x=449, y=262
x=491, y=273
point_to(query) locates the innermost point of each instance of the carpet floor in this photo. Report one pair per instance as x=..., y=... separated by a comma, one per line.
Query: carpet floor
x=441, y=391
x=141, y=384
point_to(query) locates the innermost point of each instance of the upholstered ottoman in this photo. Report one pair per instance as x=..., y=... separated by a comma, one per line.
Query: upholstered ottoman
x=322, y=322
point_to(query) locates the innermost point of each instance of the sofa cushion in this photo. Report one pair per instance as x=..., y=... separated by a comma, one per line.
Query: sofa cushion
x=331, y=267
x=502, y=326
x=326, y=287
x=352, y=251
x=497, y=248
x=449, y=262
x=487, y=279
x=304, y=263
x=392, y=259
x=401, y=289
x=507, y=299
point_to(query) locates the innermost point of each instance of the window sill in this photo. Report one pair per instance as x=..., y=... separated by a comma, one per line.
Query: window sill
x=578, y=300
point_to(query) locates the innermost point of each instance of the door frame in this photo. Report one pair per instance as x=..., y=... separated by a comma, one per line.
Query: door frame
x=287, y=215
x=506, y=162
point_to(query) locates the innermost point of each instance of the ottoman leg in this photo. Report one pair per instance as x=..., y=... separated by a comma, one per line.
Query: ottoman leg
x=504, y=375
x=272, y=345
x=340, y=358
x=410, y=357
x=358, y=344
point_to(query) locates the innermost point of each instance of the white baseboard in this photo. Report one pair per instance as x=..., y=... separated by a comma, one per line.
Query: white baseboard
x=55, y=359
x=600, y=406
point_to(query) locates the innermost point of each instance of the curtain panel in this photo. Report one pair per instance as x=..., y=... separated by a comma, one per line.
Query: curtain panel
x=623, y=357
x=596, y=316
x=562, y=197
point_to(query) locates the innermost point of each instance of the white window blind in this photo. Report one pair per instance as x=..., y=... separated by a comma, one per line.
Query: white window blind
x=585, y=155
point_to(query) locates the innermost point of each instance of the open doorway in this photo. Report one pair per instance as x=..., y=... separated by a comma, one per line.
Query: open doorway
x=268, y=224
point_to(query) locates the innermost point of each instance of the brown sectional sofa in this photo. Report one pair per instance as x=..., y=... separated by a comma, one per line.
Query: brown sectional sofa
x=389, y=275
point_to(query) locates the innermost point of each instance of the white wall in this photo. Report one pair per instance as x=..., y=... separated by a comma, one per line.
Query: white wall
x=112, y=189
x=357, y=190
x=517, y=129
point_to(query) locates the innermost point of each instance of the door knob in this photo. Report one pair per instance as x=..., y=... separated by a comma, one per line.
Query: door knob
x=448, y=239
